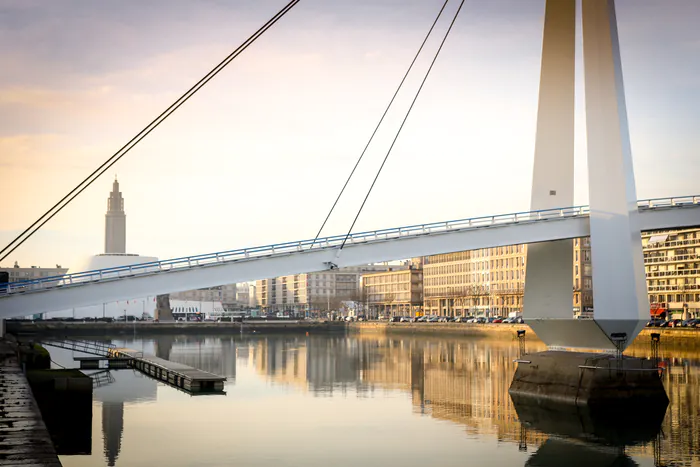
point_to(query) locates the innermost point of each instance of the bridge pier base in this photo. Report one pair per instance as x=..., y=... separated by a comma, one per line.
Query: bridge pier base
x=588, y=380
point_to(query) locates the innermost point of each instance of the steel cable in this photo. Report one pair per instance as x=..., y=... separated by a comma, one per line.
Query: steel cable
x=55, y=209
x=427, y=73
x=376, y=128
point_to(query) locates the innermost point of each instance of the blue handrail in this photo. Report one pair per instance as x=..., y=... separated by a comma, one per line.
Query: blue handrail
x=330, y=242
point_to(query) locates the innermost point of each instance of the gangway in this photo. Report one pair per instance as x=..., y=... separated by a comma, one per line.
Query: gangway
x=101, y=349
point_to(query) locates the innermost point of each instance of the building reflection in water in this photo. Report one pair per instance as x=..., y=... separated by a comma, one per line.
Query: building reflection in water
x=212, y=354
x=112, y=428
x=463, y=381
x=129, y=387
x=466, y=382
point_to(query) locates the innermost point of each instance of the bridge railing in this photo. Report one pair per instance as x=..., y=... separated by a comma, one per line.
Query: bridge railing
x=189, y=262
x=668, y=202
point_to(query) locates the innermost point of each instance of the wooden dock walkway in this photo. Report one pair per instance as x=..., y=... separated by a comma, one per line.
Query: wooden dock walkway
x=179, y=375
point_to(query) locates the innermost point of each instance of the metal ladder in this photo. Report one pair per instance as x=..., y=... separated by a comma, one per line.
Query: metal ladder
x=90, y=347
x=101, y=378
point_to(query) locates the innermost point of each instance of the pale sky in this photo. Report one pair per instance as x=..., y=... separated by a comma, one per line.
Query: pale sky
x=260, y=153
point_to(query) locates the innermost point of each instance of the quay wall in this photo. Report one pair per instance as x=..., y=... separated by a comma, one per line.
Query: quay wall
x=678, y=337
x=95, y=329
x=683, y=337
x=25, y=439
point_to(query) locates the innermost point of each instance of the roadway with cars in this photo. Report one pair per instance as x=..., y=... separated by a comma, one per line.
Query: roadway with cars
x=456, y=319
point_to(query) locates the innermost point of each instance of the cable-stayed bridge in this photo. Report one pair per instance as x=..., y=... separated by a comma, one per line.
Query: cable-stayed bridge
x=209, y=270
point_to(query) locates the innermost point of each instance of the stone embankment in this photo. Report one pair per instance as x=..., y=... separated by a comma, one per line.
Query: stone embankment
x=24, y=439
x=95, y=329
x=677, y=336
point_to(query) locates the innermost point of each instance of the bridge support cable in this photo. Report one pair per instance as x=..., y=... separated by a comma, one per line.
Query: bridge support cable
x=381, y=120
x=56, y=208
x=398, y=132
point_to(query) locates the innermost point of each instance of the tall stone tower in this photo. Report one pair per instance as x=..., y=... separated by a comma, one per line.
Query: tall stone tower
x=115, y=222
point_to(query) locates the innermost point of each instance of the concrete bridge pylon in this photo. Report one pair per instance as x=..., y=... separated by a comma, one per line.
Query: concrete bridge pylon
x=620, y=300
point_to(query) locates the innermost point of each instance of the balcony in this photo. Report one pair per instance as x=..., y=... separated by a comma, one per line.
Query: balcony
x=673, y=244
x=675, y=273
x=670, y=259
x=673, y=288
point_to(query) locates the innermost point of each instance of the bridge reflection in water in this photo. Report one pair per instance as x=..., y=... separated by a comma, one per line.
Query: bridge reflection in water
x=463, y=381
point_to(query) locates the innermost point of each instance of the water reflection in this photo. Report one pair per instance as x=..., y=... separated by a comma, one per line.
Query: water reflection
x=587, y=436
x=462, y=384
x=112, y=427
x=558, y=452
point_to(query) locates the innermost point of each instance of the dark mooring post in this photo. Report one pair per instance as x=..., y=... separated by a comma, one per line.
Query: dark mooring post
x=655, y=345
x=521, y=342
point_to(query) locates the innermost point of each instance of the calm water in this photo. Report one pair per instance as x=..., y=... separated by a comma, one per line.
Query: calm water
x=348, y=401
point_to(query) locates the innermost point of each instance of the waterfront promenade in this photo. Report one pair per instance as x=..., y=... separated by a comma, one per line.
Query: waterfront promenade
x=24, y=439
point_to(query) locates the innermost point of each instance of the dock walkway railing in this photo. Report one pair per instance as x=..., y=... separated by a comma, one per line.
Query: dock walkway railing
x=102, y=349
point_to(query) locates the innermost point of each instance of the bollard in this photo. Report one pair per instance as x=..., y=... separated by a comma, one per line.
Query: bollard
x=521, y=341
x=655, y=345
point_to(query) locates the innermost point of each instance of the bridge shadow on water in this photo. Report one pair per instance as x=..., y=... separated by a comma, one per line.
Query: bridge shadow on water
x=587, y=436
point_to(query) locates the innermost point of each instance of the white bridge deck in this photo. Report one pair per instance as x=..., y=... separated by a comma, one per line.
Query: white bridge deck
x=193, y=272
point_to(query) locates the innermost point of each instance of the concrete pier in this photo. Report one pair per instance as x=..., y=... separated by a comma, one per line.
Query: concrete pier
x=588, y=379
x=24, y=439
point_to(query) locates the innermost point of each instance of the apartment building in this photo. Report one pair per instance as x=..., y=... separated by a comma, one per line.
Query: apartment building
x=672, y=264
x=583, y=277
x=315, y=292
x=491, y=281
x=393, y=293
x=478, y=282
x=232, y=296
x=17, y=273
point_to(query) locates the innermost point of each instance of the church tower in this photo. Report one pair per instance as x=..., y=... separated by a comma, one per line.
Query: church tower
x=115, y=222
